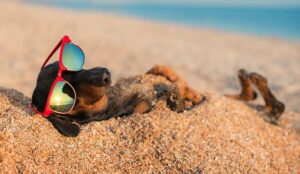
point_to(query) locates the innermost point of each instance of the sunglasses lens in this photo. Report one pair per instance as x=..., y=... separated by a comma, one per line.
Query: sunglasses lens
x=73, y=57
x=63, y=98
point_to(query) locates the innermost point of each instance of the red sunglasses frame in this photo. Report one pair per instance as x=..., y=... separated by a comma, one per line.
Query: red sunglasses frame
x=61, y=44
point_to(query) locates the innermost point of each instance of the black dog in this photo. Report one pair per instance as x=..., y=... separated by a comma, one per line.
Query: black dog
x=96, y=100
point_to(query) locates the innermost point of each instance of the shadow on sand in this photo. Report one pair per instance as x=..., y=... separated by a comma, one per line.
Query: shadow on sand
x=17, y=99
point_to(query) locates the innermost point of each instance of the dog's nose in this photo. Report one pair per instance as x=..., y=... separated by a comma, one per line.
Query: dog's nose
x=97, y=76
x=106, y=77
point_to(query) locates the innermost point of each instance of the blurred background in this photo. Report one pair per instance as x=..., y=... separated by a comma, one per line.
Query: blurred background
x=206, y=41
x=275, y=18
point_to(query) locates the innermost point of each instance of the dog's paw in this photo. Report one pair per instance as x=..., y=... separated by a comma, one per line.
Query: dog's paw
x=65, y=127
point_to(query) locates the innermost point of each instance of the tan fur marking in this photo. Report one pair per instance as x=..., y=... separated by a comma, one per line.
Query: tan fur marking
x=193, y=95
x=98, y=106
x=164, y=71
x=142, y=107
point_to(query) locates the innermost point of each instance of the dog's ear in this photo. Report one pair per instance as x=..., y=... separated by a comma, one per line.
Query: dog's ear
x=64, y=126
x=44, y=82
x=38, y=99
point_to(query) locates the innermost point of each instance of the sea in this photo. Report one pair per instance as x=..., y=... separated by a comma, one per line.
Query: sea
x=276, y=22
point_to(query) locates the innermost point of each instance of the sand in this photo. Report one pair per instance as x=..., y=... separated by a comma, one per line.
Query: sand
x=220, y=136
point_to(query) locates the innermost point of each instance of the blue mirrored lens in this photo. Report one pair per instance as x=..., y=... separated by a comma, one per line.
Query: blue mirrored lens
x=73, y=57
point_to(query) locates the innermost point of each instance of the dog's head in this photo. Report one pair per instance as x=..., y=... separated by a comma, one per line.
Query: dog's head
x=90, y=86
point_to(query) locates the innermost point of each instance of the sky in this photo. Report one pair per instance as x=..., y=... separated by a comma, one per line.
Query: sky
x=210, y=2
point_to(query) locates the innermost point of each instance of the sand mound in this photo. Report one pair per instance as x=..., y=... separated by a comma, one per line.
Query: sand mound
x=220, y=136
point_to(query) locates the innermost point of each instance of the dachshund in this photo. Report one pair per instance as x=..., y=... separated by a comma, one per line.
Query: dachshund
x=97, y=99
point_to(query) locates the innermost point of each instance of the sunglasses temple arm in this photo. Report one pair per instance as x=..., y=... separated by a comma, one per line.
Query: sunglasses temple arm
x=51, y=54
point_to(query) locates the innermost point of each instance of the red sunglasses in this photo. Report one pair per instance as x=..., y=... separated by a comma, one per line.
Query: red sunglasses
x=62, y=96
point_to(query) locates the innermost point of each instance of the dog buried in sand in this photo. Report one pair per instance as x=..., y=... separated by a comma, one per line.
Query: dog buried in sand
x=69, y=96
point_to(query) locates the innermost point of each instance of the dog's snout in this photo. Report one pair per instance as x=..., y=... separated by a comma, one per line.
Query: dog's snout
x=106, y=77
x=97, y=76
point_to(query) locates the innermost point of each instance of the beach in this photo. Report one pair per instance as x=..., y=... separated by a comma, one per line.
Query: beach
x=209, y=60
x=235, y=140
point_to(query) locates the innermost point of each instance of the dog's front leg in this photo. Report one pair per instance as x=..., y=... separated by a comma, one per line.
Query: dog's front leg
x=64, y=125
x=182, y=92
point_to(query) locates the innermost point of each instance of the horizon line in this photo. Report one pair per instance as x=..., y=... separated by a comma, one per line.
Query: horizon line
x=120, y=4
